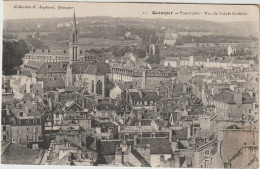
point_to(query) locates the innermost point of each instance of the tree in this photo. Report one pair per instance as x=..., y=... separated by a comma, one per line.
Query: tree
x=13, y=52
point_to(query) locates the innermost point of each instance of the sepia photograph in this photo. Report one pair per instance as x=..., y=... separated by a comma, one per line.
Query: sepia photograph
x=163, y=85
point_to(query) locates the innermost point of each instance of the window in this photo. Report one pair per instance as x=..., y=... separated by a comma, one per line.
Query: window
x=19, y=131
x=92, y=86
x=206, y=152
x=4, y=128
x=24, y=91
x=99, y=87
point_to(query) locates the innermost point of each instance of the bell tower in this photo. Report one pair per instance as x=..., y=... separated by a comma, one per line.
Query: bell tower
x=74, y=50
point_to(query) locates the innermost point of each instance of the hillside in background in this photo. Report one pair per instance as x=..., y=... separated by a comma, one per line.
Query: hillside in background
x=219, y=28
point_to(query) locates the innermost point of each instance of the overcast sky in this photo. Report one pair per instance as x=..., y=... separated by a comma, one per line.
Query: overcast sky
x=13, y=10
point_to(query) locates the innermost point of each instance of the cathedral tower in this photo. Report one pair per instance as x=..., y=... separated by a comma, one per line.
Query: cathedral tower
x=74, y=50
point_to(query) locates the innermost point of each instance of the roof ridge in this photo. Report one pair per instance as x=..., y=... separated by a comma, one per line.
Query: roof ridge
x=140, y=158
x=207, y=144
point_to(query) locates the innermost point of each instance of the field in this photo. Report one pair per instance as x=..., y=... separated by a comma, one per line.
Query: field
x=95, y=43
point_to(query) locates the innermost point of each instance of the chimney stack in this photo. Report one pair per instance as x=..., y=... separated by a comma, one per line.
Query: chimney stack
x=135, y=140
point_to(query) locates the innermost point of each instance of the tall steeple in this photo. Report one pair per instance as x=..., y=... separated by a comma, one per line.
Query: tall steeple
x=74, y=50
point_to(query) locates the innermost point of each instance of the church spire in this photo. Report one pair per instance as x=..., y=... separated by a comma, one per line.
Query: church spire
x=74, y=50
x=74, y=35
x=74, y=22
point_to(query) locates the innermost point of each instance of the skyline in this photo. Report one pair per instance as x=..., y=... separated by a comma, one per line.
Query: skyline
x=17, y=10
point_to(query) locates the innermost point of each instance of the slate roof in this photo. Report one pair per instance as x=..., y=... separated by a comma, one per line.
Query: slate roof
x=25, y=73
x=52, y=82
x=147, y=96
x=16, y=154
x=108, y=147
x=53, y=67
x=33, y=63
x=105, y=105
x=158, y=145
x=80, y=67
x=179, y=135
x=99, y=68
x=226, y=96
x=73, y=88
x=49, y=52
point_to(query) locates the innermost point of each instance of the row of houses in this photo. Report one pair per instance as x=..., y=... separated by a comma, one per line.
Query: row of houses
x=207, y=62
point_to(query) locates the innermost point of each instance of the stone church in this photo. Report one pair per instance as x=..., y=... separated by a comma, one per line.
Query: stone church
x=88, y=74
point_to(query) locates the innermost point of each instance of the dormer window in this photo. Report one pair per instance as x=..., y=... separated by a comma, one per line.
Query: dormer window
x=21, y=113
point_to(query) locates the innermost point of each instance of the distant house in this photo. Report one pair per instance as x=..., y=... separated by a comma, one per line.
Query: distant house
x=61, y=111
x=204, y=154
x=27, y=129
x=128, y=35
x=46, y=55
x=176, y=62
x=52, y=70
x=234, y=105
x=141, y=99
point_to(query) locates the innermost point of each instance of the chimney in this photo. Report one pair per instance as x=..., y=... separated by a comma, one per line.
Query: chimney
x=170, y=135
x=135, y=140
x=118, y=156
x=50, y=104
x=140, y=93
x=143, y=79
x=189, y=131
